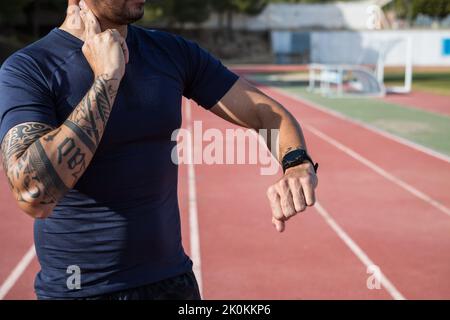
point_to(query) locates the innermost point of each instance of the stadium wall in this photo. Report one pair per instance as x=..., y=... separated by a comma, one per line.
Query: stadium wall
x=429, y=47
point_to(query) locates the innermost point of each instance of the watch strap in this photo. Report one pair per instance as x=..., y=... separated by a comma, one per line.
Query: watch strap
x=296, y=157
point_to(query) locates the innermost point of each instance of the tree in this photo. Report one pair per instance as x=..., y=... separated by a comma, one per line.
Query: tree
x=10, y=10
x=434, y=8
x=33, y=9
x=184, y=11
x=195, y=11
x=229, y=7
x=410, y=9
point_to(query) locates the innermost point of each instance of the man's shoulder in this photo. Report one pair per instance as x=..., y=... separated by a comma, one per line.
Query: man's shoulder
x=43, y=54
x=19, y=61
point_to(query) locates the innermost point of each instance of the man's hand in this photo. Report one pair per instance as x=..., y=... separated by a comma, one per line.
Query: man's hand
x=73, y=23
x=292, y=194
x=106, y=52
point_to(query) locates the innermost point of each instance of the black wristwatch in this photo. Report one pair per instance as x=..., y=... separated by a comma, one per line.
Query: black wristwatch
x=295, y=157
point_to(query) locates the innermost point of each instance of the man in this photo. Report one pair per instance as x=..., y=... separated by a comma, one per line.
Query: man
x=87, y=115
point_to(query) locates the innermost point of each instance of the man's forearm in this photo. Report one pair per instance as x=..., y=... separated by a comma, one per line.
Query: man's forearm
x=290, y=134
x=53, y=164
x=247, y=106
x=275, y=118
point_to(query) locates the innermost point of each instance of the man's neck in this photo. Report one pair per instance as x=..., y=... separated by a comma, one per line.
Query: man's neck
x=77, y=29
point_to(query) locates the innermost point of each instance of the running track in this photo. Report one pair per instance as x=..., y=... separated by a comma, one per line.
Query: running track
x=422, y=100
x=380, y=202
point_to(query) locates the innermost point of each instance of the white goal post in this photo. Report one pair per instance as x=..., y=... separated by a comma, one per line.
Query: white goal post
x=364, y=78
x=408, y=66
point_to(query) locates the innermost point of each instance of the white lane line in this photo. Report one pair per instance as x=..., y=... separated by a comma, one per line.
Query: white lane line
x=369, y=127
x=360, y=254
x=379, y=170
x=17, y=272
x=193, y=211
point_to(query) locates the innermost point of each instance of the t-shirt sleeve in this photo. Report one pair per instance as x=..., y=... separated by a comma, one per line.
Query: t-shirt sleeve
x=24, y=94
x=207, y=79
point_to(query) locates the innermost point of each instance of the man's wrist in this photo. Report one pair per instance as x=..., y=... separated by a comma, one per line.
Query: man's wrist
x=108, y=76
x=296, y=157
x=304, y=166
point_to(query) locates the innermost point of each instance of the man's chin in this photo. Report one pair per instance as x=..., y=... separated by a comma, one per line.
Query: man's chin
x=129, y=19
x=135, y=16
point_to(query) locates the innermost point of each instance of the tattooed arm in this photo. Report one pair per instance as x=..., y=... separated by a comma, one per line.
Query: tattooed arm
x=42, y=163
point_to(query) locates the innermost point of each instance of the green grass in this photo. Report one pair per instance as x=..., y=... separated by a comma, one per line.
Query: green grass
x=434, y=82
x=425, y=128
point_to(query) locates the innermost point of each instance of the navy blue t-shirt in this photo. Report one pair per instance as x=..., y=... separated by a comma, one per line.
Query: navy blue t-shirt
x=120, y=224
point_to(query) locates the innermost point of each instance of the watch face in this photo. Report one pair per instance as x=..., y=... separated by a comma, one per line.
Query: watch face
x=296, y=157
x=293, y=156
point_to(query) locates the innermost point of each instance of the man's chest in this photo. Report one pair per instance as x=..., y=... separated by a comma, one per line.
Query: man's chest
x=147, y=105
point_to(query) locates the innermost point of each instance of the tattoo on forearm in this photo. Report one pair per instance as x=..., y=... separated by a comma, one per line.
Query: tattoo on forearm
x=93, y=113
x=41, y=169
x=81, y=135
x=42, y=163
x=18, y=139
x=76, y=158
x=18, y=162
x=51, y=136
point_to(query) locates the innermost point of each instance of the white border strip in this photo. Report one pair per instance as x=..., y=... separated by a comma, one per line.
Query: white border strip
x=193, y=211
x=385, y=134
x=362, y=256
x=17, y=272
x=379, y=170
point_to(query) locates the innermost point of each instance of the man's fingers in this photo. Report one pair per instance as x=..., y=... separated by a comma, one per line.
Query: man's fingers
x=91, y=24
x=85, y=23
x=279, y=225
x=74, y=17
x=124, y=46
x=286, y=201
x=82, y=4
x=274, y=199
x=118, y=37
x=126, y=52
x=308, y=187
x=297, y=194
x=277, y=214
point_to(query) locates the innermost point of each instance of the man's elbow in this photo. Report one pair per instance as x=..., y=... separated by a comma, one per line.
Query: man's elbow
x=36, y=210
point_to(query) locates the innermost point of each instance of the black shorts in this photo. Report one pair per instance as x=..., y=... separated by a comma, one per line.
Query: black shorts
x=183, y=287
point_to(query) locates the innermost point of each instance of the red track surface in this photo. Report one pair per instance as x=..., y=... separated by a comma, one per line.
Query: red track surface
x=242, y=255
x=422, y=100
x=405, y=236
